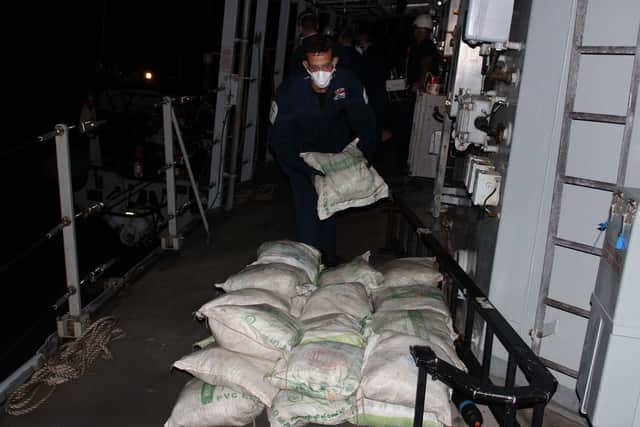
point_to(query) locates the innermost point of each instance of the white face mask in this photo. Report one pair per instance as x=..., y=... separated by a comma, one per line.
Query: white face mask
x=321, y=78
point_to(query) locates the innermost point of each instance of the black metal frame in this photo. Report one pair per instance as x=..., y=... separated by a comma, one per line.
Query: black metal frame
x=407, y=236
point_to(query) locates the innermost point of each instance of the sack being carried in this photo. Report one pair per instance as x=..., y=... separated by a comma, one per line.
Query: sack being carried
x=347, y=182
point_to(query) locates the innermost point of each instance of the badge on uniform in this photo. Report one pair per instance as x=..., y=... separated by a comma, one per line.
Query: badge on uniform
x=340, y=94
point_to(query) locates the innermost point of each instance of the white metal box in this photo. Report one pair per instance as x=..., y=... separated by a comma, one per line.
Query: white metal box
x=486, y=190
x=489, y=21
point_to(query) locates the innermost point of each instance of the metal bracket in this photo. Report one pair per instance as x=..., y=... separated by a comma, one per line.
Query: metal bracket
x=72, y=326
x=455, y=200
x=173, y=242
x=549, y=328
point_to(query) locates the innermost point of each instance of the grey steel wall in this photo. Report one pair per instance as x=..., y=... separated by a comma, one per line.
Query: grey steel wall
x=603, y=84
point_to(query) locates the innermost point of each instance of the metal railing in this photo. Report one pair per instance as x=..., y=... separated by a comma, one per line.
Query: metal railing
x=77, y=318
x=408, y=236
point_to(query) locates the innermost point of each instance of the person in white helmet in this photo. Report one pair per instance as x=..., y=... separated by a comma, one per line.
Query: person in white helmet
x=423, y=54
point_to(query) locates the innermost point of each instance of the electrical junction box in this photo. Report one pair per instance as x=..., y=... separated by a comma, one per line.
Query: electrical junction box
x=476, y=169
x=489, y=21
x=486, y=189
x=473, y=164
x=472, y=107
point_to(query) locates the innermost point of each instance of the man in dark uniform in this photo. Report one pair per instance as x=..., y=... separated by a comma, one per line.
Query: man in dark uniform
x=321, y=111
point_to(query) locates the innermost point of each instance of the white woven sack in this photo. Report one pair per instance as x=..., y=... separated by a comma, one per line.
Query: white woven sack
x=204, y=405
x=411, y=271
x=416, y=297
x=357, y=270
x=419, y=323
x=216, y=365
x=297, y=305
x=291, y=409
x=282, y=279
x=341, y=328
x=246, y=296
x=347, y=298
x=296, y=254
x=373, y=413
x=389, y=373
x=325, y=370
x=259, y=330
x=347, y=181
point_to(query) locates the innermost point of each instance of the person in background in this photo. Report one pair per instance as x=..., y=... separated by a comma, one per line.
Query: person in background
x=375, y=70
x=320, y=111
x=308, y=27
x=348, y=53
x=423, y=56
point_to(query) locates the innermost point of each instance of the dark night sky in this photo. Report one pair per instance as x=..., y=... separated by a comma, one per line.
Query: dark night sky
x=50, y=59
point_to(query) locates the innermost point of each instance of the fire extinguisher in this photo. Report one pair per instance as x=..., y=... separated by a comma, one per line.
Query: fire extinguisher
x=138, y=164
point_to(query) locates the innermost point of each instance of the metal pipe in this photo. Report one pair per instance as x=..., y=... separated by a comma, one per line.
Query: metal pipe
x=167, y=130
x=187, y=163
x=68, y=233
x=238, y=122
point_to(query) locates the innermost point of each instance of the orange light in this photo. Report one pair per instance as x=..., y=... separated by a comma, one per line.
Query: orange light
x=148, y=75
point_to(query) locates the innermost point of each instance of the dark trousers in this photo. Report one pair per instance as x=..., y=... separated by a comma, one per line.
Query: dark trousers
x=309, y=228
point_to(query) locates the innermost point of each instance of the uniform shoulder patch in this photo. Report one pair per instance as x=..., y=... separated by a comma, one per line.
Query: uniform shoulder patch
x=340, y=93
x=273, y=112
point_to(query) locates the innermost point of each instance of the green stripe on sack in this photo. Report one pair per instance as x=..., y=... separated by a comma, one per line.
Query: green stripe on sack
x=418, y=322
x=351, y=339
x=206, y=393
x=380, y=421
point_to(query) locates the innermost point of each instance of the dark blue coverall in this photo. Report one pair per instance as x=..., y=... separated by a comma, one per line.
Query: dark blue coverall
x=304, y=121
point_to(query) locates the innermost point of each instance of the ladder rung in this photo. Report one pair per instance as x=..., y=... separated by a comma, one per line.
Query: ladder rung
x=589, y=183
x=588, y=249
x=567, y=307
x=558, y=367
x=601, y=118
x=607, y=50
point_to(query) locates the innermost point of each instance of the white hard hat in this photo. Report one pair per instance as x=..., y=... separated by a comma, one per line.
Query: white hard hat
x=423, y=21
x=328, y=31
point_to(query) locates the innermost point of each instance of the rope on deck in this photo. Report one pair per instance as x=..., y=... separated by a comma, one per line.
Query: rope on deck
x=70, y=363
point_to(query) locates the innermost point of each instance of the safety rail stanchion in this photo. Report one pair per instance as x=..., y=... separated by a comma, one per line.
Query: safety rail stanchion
x=74, y=322
x=171, y=239
x=187, y=163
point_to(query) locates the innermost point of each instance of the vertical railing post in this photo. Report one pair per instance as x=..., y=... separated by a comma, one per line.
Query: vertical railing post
x=421, y=390
x=171, y=239
x=72, y=324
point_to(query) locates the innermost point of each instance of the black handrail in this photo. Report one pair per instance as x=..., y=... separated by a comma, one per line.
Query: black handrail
x=502, y=400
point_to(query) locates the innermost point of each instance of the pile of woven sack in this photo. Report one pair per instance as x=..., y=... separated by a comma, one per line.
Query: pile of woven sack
x=318, y=346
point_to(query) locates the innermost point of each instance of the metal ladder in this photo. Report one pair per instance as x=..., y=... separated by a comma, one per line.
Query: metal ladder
x=562, y=179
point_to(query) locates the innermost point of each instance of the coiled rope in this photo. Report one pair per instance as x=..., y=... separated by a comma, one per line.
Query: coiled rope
x=70, y=363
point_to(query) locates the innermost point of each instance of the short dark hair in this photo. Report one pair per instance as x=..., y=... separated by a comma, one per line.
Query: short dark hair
x=308, y=21
x=318, y=44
